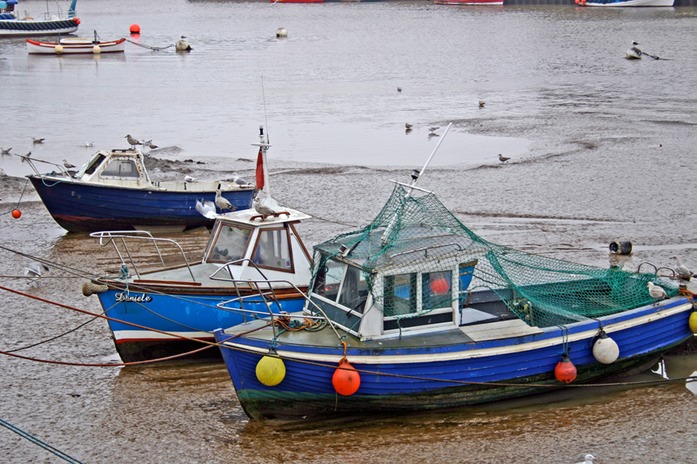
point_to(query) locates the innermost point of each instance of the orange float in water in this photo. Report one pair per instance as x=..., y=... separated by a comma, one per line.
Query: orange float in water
x=16, y=213
x=135, y=29
x=565, y=370
x=346, y=379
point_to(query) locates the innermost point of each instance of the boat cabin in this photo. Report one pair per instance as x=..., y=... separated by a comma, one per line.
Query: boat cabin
x=268, y=249
x=115, y=167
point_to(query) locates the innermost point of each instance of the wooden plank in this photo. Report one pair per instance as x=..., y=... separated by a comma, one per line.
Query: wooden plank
x=498, y=330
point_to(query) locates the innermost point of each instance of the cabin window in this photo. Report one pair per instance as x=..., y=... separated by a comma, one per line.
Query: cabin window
x=354, y=291
x=96, y=161
x=328, y=280
x=121, y=168
x=436, y=290
x=273, y=249
x=231, y=244
x=400, y=295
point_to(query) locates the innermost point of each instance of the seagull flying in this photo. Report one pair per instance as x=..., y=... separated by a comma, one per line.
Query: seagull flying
x=5, y=151
x=68, y=165
x=656, y=292
x=132, y=140
x=222, y=202
x=502, y=158
x=206, y=208
x=681, y=270
x=35, y=140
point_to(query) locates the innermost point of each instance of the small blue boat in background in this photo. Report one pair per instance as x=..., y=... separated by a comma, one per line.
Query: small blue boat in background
x=11, y=25
x=113, y=191
x=416, y=312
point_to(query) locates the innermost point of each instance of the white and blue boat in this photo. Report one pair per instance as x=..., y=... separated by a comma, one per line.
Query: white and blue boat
x=11, y=25
x=256, y=258
x=416, y=312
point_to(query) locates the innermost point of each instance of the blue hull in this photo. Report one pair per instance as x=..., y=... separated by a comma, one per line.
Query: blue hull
x=190, y=316
x=88, y=208
x=454, y=375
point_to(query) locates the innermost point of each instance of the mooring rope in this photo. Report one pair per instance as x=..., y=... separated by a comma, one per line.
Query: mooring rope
x=155, y=49
x=39, y=442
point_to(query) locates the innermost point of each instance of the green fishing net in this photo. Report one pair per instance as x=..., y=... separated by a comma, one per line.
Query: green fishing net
x=430, y=260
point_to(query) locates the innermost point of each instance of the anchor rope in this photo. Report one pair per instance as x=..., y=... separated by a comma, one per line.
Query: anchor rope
x=155, y=49
x=39, y=442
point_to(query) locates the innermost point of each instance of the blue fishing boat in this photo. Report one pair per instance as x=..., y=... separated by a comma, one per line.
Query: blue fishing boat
x=11, y=25
x=254, y=257
x=113, y=191
x=417, y=312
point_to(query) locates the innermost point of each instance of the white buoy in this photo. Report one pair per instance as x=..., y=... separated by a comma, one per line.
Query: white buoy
x=605, y=350
x=58, y=49
x=281, y=32
x=96, y=49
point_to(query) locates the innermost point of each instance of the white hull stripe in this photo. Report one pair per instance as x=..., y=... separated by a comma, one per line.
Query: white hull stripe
x=122, y=336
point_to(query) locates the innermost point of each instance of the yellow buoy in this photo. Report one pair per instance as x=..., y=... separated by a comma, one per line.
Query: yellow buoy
x=96, y=49
x=693, y=322
x=58, y=49
x=270, y=370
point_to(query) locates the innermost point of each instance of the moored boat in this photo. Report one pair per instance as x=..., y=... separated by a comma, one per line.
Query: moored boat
x=71, y=46
x=113, y=191
x=254, y=261
x=12, y=25
x=469, y=2
x=417, y=312
x=626, y=3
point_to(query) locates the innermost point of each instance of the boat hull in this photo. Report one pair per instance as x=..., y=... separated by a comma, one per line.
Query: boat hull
x=80, y=207
x=469, y=2
x=28, y=28
x=407, y=377
x=633, y=3
x=183, y=320
x=36, y=47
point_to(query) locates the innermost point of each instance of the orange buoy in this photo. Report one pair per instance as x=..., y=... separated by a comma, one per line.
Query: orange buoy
x=16, y=213
x=439, y=286
x=76, y=20
x=346, y=379
x=135, y=28
x=565, y=370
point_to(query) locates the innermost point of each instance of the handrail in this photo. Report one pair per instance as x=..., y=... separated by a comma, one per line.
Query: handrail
x=31, y=161
x=107, y=237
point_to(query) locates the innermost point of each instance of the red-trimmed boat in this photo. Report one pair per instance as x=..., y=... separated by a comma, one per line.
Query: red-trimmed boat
x=469, y=2
x=76, y=45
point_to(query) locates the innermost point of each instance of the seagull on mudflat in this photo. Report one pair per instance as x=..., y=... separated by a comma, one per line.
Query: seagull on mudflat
x=656, y=292
x=132, y=141
x=222, y=202
x=482, y=103
x=5, y=151
x=588, y=459
x=188, y=179
x=502, y=158
x=434, y=128
x=68, y=165
x=35, y=269
x=681, y=270
x=35, y=140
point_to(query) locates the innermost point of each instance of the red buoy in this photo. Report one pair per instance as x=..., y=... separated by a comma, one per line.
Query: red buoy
x=135, y=28
x=439, y=286
x=16, y=213
x=346, y=379
x=565, y=370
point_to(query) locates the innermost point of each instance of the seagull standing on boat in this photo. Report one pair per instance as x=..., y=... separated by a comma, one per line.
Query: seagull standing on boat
x=681, y=270
x=221, y=202
x=68, y=165
x=35, y=140
x=132, y=140
x=188, y=179
x=502, y=158
x=656, y=292
x=265, y=206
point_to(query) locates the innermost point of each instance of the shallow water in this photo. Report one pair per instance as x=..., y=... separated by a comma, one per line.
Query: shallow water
x=601, y=149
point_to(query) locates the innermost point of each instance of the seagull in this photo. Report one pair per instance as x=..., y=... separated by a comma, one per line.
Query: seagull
x=132, y=141
x=68, y=165
x=588, y=459
x=189, y=179
x=25, y=157
x=502, y=158
x=399, y=89
x=89, y=144
x=408, y=126
x=240, y=181
x=5, y=151
x=35, y=140
x=634, y=52
x=482, y=103
x=681, y=270
x=222, y=202
x=265, y=206
x=656, y=292
x=182, y=45
x=35, y=269
x=434, y=128
x=149, y=144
